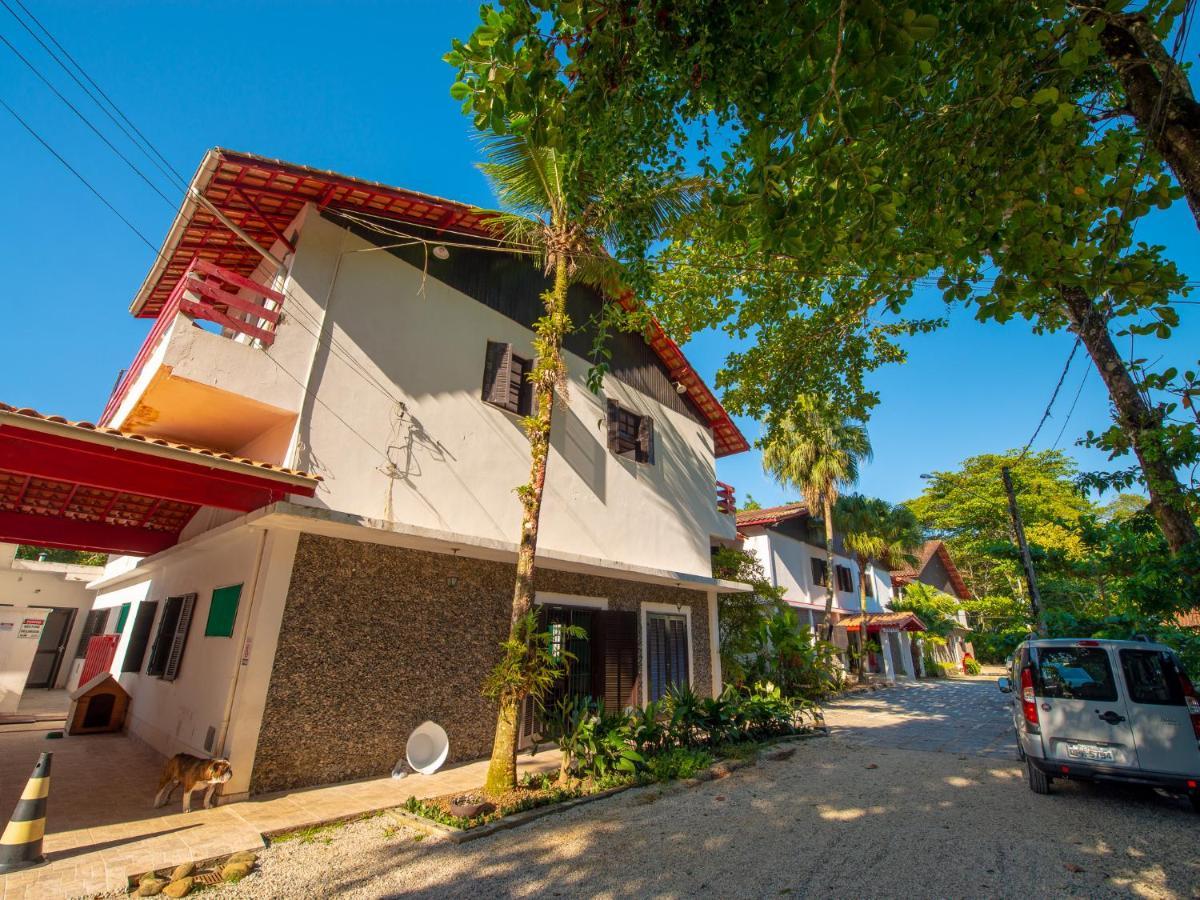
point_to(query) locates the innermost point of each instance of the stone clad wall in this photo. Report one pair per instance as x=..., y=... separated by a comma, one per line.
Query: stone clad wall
x=374, y=641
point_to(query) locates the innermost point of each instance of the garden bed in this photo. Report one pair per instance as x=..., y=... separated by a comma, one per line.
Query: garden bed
x=541, y=796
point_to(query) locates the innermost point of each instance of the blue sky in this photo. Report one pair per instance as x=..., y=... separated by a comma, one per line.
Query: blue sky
x=360, y=88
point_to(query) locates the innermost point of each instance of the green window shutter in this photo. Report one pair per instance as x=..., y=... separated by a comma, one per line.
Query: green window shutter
x=222, y=612
x=121, y=617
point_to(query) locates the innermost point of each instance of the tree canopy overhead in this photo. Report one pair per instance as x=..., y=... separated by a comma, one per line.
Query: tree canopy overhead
x=856, y=151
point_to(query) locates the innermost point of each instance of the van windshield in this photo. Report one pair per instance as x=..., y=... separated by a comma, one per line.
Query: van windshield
x=1152, y=677
x=1076, y=673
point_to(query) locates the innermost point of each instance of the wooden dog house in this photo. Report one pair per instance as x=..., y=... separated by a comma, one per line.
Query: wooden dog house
x=98, y=706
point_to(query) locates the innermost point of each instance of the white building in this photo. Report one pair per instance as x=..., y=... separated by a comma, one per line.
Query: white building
x=789, y=543
x=335, y=565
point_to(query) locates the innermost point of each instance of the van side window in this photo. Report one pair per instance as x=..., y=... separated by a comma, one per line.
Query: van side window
x=1076, y=673
x=1151, y=677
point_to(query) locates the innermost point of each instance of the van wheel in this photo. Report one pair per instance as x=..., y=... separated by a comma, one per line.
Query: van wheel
x=1039, y=781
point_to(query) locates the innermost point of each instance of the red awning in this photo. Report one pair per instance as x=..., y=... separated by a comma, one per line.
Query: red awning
x=902, y=621
x=79, y=487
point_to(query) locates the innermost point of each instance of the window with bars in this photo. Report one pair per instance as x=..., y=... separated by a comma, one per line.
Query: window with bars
x=630, y=434
x=845, y=578
x=506, y=379
x=666, y=653
x=820, y=572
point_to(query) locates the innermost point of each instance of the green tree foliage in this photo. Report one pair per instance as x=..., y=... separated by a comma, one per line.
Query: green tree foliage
x=817, y=450
x=53, y=554
x=967, y=509
x=857, y=151
x=936, y=609
x=741, y=615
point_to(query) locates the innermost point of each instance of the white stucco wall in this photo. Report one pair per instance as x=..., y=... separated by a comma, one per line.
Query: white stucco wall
x=395, y=424
x=175, y=716
x=787, y=564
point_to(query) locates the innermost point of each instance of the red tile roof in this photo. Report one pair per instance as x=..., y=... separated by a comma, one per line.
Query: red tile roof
x=770, y=515
x=1189, y=619
x=262, y=196
x=910, y=573
x=905, y=621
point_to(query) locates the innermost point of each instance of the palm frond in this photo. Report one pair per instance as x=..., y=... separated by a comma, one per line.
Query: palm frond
x=526, y=178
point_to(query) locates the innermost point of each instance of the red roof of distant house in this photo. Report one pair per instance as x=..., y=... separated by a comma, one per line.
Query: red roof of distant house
x=1189, y=619
x=904, y=621
x=908, y=574
x=262, y=196
x=771, y=515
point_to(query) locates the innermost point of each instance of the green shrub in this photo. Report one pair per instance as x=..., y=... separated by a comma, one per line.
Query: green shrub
x=679, y=762
x=972, y=665
x=947, y=669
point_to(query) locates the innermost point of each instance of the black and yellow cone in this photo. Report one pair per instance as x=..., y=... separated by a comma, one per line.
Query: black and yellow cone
x=21, y=844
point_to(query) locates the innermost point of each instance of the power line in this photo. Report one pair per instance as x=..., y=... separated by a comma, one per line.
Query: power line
x=75, y=172
x=1053, y=397
x=1071, y=411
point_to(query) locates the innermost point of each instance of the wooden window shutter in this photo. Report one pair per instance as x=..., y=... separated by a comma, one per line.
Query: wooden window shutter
x=615, y=658
x=163, y=637
x=95, y=623
x=179, y=637
x=497, y=374
x=645, y=437
x=614, y=417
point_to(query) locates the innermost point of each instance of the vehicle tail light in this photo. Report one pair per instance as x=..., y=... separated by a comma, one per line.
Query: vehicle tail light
x=1192, y=701
x=1029, y=701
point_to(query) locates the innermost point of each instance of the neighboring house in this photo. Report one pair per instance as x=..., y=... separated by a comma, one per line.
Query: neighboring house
x=790, y=545
x=60, y=591
x=335, y=566
x=935, y=567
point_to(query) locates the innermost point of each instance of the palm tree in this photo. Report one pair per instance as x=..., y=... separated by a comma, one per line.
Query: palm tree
x=550, y=213
x=873, y=529
x=818, y=451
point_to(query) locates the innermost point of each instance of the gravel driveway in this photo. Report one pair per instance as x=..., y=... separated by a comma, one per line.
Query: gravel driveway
x=859, y=814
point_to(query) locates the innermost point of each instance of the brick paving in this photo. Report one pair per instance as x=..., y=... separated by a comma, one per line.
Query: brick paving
x=965, y=716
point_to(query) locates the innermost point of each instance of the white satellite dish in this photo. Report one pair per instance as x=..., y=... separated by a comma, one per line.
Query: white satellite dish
x=427, y=748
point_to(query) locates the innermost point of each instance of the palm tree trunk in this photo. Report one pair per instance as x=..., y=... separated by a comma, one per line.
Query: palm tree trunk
x=862, y=609
x=828, y=568
x=502, y=770
x=1141, y=424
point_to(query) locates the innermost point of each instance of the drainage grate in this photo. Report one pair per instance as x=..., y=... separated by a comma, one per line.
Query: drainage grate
x=208, y=878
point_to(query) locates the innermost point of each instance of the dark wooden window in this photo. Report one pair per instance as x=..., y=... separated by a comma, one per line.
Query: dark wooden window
x=666, y=653
x=820, y=572
x=139, y=637
x=171, y=637
x=870, y=584
x=95, y=623
x=506, y=379
x=845, y=578
x=630, y=434
x=615, y=658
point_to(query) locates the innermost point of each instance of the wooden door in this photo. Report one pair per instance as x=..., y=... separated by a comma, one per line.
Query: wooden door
x=52, y=645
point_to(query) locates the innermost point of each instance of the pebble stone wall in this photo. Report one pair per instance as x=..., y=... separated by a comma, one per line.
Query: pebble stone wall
x=375, y=640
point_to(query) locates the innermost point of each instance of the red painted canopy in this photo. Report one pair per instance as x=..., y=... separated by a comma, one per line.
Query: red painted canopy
x=75, y=486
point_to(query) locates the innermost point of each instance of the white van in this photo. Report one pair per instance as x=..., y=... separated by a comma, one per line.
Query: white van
x=1105, y=710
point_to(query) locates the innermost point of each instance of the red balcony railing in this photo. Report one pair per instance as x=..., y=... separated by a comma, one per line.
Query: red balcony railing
x=725, y=500
x=207, y=292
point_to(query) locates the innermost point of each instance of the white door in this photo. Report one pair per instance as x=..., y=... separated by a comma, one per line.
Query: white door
x=1082, y=715
x=1158, y=712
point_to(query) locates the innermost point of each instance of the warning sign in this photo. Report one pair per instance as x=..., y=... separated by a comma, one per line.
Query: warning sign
x=31, y=628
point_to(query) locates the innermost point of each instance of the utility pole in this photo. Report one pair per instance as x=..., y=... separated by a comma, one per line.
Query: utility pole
x=1035, y=599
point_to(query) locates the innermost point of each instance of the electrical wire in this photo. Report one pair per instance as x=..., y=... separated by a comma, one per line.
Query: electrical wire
x=1071, y=411
x=1053, y=397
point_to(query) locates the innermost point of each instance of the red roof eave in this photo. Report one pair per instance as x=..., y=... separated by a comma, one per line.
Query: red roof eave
x=262, y=196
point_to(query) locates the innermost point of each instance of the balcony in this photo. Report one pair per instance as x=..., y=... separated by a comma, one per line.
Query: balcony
x=726, y=503
x=203, y=375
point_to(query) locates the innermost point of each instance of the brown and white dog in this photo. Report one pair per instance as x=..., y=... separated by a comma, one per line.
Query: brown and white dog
x=193, y=773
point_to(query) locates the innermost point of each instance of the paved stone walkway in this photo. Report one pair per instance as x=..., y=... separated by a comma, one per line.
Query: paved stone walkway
x=966, y=716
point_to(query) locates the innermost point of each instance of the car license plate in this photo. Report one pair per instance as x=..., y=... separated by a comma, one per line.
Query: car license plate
x=1092, y=752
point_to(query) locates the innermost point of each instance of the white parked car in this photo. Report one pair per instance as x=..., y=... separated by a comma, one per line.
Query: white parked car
x=1104, y=710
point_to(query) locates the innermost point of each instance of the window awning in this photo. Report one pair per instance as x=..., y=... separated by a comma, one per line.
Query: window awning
x=901, y=621
x=75, y=486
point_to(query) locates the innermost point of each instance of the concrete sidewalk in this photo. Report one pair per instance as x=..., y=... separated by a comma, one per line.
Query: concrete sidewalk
x=102, y=827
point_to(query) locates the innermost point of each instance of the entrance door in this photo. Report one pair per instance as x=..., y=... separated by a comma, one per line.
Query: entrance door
x=51, y=647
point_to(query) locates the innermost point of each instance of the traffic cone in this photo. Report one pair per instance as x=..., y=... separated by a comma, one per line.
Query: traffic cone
x=21, y=844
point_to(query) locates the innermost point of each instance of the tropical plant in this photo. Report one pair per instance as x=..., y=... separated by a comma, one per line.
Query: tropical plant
x=873, y=529
x=561, y=219
x=740, y=615
x=817, y=450
x=789, y=655
x=678, y=762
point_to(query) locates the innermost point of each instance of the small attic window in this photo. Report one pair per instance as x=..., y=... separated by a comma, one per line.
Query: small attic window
x=630, y=434
x=506, y=379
